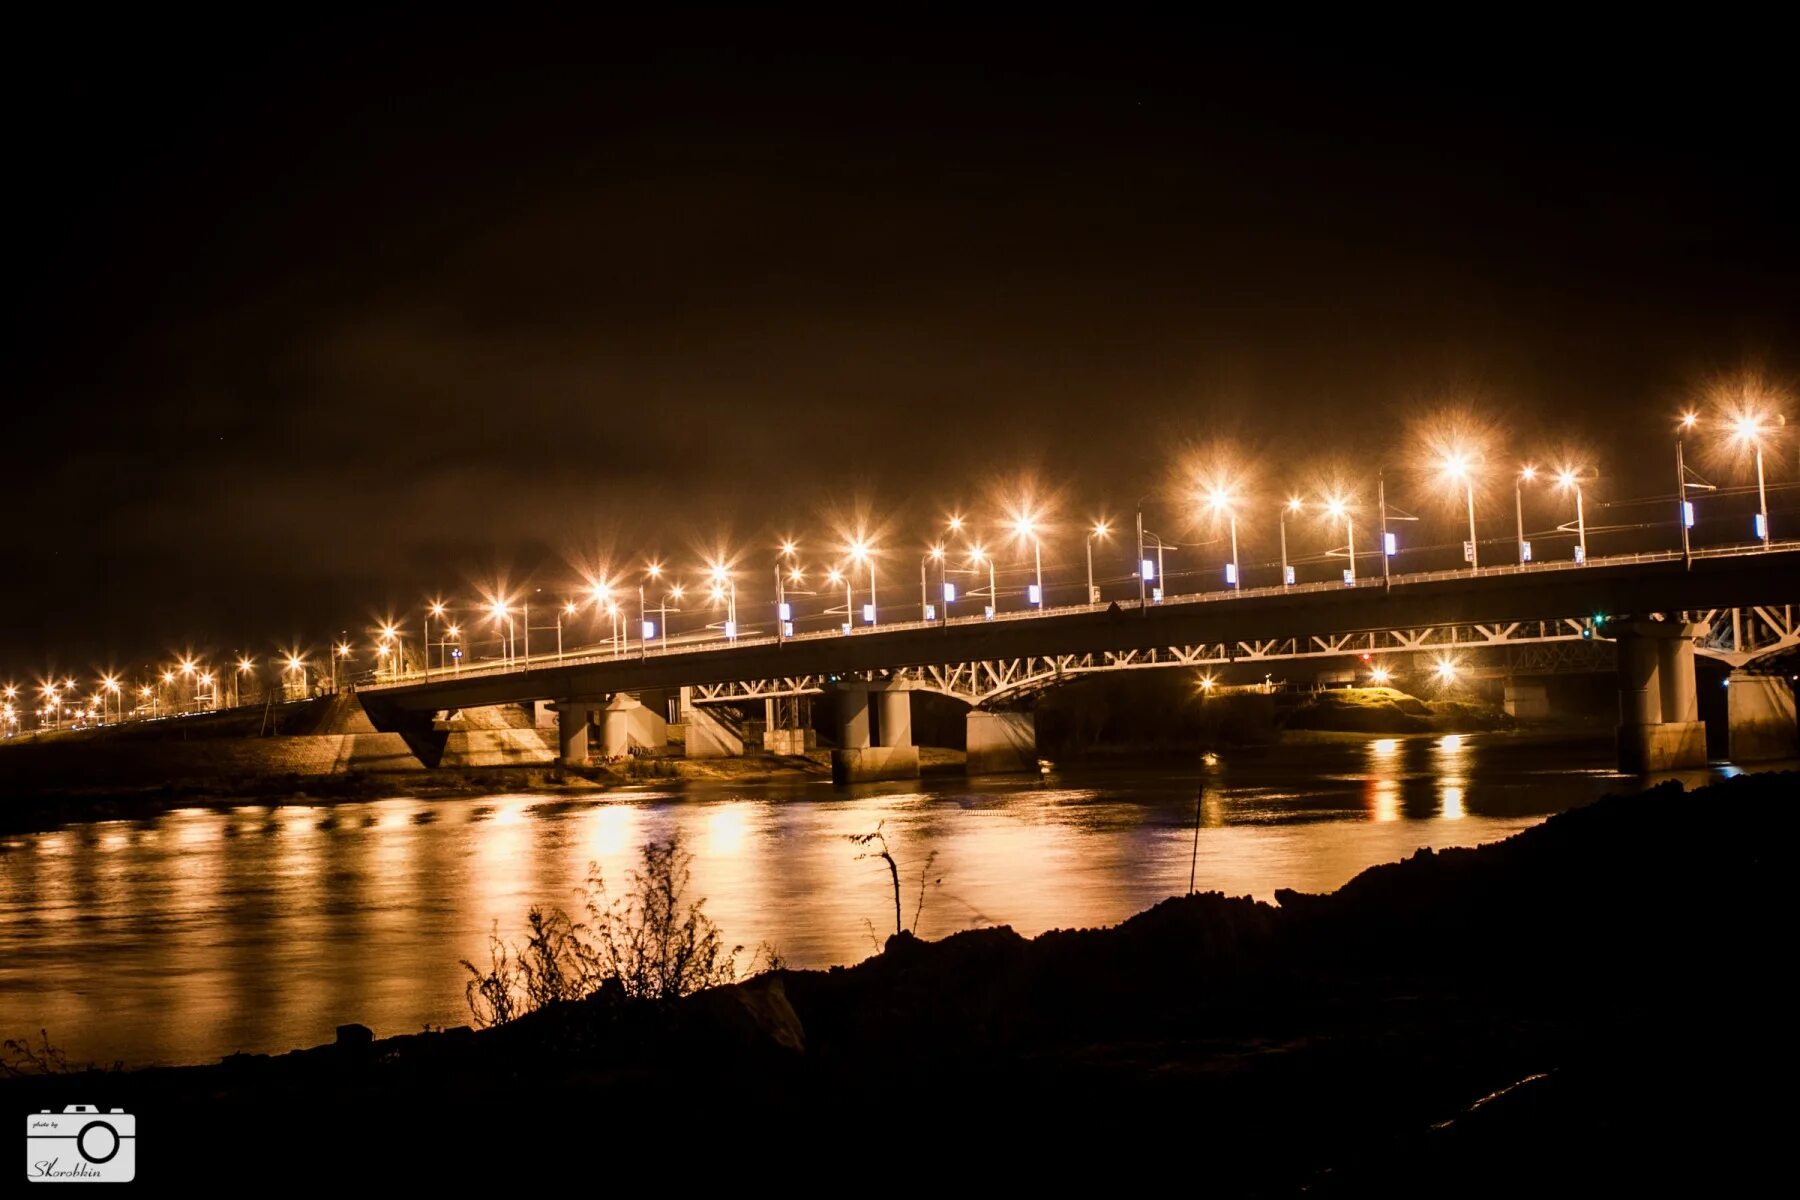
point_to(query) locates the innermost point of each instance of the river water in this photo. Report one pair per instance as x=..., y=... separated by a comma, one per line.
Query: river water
x=186, y=936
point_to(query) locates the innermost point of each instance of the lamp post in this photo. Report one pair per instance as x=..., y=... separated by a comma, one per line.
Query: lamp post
x=1749, y=430
x=435, y=609
x=1527, y=474
x=502, y=612
x=1221, y=501
x=1459, y=467
x=835, y=577
x=343, y=653
x=1682, y=508
x=1025, y=526
x=244, y=667
x=1292, y=507
x=1570, y=478
x=860, y=552
x=1101, y=529
x=568, y=610
x=933, y=555
x=977, y=556
x=784, y=566
x=724, y=587
x=1338, y=507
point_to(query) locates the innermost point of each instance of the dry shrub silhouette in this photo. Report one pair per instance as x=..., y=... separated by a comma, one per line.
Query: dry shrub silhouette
x=648, y=945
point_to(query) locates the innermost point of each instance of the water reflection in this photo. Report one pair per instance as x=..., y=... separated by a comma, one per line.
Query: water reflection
x=206, y=931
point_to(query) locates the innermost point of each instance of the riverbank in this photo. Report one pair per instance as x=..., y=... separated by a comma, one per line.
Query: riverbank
x=33, y=802
x=1325, y=1041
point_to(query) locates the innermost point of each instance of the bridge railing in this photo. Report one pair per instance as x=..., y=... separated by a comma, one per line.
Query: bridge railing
x=703, y=646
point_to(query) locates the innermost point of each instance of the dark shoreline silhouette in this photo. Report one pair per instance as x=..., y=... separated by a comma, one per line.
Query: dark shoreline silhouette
x=1591, y=1001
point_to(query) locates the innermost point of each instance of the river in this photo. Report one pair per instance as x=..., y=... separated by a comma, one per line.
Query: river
x=202, y=931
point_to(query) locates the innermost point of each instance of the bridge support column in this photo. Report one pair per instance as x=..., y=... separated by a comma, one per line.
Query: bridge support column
x=1760, y=711
x=1001, y=743
x=1659, y=725
x=572, y=732
x=892, y=756
x=708, y=736
x=616, y=721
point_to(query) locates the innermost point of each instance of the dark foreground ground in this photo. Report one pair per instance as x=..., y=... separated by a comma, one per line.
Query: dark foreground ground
x=1599, y=1004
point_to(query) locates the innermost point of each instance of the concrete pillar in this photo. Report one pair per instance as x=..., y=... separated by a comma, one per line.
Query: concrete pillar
x=1675, y=675
x=1001, y=743
x=616, y=721
x=572, y=733
x=1527, y=701
x=1640, y=693
x=853, y=717
x=895, y=725
x=855, y=760
x=1761, y=716
x=1659, y=726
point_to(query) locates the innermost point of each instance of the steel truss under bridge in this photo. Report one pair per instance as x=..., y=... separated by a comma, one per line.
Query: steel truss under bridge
x=1736, y=636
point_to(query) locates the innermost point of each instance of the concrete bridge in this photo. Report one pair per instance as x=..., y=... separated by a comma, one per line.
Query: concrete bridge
x=1735, y=604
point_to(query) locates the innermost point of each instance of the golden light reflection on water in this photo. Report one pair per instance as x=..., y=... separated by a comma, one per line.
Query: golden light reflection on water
x=203, y=932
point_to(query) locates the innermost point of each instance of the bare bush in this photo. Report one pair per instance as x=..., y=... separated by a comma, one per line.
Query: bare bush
x=874, y=844
x=23, y=1056
x=650, y=944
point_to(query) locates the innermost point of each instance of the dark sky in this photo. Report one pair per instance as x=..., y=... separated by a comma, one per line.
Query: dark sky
x=310, y=324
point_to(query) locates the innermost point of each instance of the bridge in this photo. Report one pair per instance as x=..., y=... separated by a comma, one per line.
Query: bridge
x=1735, y=604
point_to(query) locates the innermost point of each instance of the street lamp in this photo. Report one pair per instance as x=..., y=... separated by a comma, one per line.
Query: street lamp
x=1459, y=466
x=1566, y=479
x=343, y=653
x=835, y=577
x=435, y=609
x=977, y=556
x=861, y=552
x=724, y=587
x=1749, y=430
x=244, y=667
x=785, y=567
x=933, y=555
x=1337, y=506
x=1527, y=474
x=569, y=609
x=1101, y=529
x=1291, y=508
x=501, y=611
x=1025, y=526
x=1221, y=500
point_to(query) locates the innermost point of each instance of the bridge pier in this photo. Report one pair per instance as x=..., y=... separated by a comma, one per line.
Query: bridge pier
x=1001, y=743
x=1659, y=713
x=616, y=720
x=572, y=724
x=1761, y=718
x=706, y=735
x=885, y=752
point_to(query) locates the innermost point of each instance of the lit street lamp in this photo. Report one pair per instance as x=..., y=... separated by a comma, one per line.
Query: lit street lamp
x=835, y=577
x=934, y=555
x=1749, y=430
x=1025, y=526
x=1220, y=500
x=977, y=556
x=861, y=552
x=1527, y=474
x=1459, y=467
x=1291, y=508
x=724, y=587
x=436, y=609
x=1566, y=479
x=1337, y=506
x=1101, y=529
x=785, y=568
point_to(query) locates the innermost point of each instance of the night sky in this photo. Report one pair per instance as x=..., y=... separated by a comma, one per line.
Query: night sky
x=309, y=327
